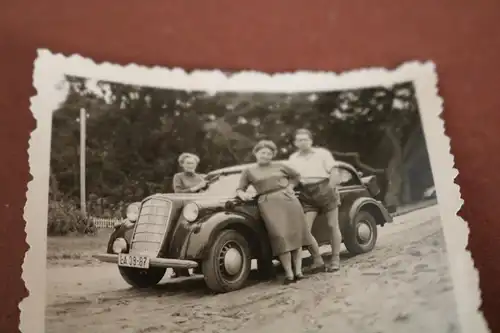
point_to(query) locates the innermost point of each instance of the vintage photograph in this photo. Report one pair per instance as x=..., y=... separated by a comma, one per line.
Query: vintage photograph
x=225, y=207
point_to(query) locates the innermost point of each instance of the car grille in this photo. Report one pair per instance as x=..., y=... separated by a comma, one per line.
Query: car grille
x=151, y=226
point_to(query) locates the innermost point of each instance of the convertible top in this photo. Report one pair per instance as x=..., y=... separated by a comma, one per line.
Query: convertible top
x=241, y=167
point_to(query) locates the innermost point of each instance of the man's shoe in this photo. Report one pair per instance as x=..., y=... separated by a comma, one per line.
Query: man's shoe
x=334, y=266
x=332, y=269
x=316, y=268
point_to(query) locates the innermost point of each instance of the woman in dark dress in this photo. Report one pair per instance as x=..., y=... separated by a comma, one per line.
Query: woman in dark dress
x=188, y=181
x=280, y=209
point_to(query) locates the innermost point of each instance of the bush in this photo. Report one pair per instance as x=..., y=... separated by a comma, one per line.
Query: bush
x=64, y=218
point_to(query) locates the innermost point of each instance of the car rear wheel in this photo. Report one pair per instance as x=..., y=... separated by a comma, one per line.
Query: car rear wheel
x=360, y=235
x=228, y=263
x=142, y=278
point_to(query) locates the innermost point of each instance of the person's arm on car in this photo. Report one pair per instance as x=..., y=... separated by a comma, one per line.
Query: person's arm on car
x=329, y=163
x=292, y=174
x=199, y=186
x=178, y=185
x=243, y=185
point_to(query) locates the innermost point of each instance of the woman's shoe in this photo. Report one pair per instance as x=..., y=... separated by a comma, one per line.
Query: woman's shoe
x=288, y=281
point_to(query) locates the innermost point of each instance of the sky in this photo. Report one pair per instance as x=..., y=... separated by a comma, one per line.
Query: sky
x=62, y=88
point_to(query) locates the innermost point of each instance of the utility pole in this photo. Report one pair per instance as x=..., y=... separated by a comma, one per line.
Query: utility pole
x=83, y=132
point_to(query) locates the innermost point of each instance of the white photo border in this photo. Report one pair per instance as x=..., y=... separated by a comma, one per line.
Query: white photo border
x=50, y=69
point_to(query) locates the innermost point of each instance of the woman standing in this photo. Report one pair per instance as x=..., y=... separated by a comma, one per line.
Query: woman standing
x=188, y=181
x=280, y=209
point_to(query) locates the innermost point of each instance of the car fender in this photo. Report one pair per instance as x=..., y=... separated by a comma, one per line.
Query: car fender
x=125, y=230
x=376, y=208
x=203, y=235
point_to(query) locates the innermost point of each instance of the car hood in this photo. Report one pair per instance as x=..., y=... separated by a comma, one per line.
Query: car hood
x=200, y=199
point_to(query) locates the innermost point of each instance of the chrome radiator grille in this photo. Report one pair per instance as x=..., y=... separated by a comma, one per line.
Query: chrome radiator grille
x=151, y=226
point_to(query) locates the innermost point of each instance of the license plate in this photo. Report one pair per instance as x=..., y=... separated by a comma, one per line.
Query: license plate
x=129, y=260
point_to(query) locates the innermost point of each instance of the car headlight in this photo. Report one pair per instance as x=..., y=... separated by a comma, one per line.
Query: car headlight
x=133, y=212
x=191, y=212
x=119, y=245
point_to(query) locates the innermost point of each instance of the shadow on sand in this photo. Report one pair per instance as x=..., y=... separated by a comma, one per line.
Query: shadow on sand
x=195, y=285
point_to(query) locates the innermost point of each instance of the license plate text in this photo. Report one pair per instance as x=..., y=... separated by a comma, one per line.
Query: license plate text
x=134, y=261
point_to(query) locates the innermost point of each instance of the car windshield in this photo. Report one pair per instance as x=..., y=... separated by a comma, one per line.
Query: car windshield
x=226, y=185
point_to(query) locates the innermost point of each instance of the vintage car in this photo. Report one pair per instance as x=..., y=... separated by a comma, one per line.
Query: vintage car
x=218, y=235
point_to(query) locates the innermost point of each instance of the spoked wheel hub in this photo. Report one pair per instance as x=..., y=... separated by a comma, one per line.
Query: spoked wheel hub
x=230, y=260
x=360, y=236
x=364, y=232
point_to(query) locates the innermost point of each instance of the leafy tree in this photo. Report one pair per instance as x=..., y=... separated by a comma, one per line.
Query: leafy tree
x=135, y=135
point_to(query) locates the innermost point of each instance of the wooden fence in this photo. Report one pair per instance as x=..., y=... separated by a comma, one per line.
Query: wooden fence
x=103, y=223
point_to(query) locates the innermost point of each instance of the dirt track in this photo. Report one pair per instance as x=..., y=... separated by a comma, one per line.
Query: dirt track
x=403, y=285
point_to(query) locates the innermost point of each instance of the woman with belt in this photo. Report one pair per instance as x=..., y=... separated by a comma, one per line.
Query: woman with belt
x=280, y=209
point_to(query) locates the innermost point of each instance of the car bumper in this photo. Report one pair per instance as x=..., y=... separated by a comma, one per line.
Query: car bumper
x=153, y=262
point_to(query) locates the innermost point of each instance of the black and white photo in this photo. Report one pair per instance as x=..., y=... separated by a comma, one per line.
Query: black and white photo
x=167, y=201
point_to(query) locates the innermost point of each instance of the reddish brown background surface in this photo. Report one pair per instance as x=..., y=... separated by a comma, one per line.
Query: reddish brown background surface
x=462, y=37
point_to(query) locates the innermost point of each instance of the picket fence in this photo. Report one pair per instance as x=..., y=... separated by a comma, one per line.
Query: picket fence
x=103, y=223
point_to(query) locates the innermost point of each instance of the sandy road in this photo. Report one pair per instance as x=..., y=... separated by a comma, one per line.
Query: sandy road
x=403, y=285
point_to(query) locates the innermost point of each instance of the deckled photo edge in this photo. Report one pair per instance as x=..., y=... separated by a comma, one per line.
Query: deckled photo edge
x=456, y=230
x=50, y=68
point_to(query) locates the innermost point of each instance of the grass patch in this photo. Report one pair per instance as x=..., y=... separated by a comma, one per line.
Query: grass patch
x=77, y=246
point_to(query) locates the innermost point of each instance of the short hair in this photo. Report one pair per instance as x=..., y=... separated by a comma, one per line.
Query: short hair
x=265, y=144
x=183, y=157
x=303, y=131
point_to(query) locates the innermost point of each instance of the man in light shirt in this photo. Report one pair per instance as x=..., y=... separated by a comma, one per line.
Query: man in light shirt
x=319, y=193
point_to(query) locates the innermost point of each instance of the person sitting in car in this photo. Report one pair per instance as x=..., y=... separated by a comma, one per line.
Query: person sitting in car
x=188, y=181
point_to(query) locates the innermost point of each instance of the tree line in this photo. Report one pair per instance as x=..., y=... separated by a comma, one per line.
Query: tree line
x=136, y=133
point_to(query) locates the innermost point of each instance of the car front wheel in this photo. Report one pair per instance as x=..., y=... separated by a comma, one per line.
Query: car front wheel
x=228, y=263
x=360, y=235
x=142, y=278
